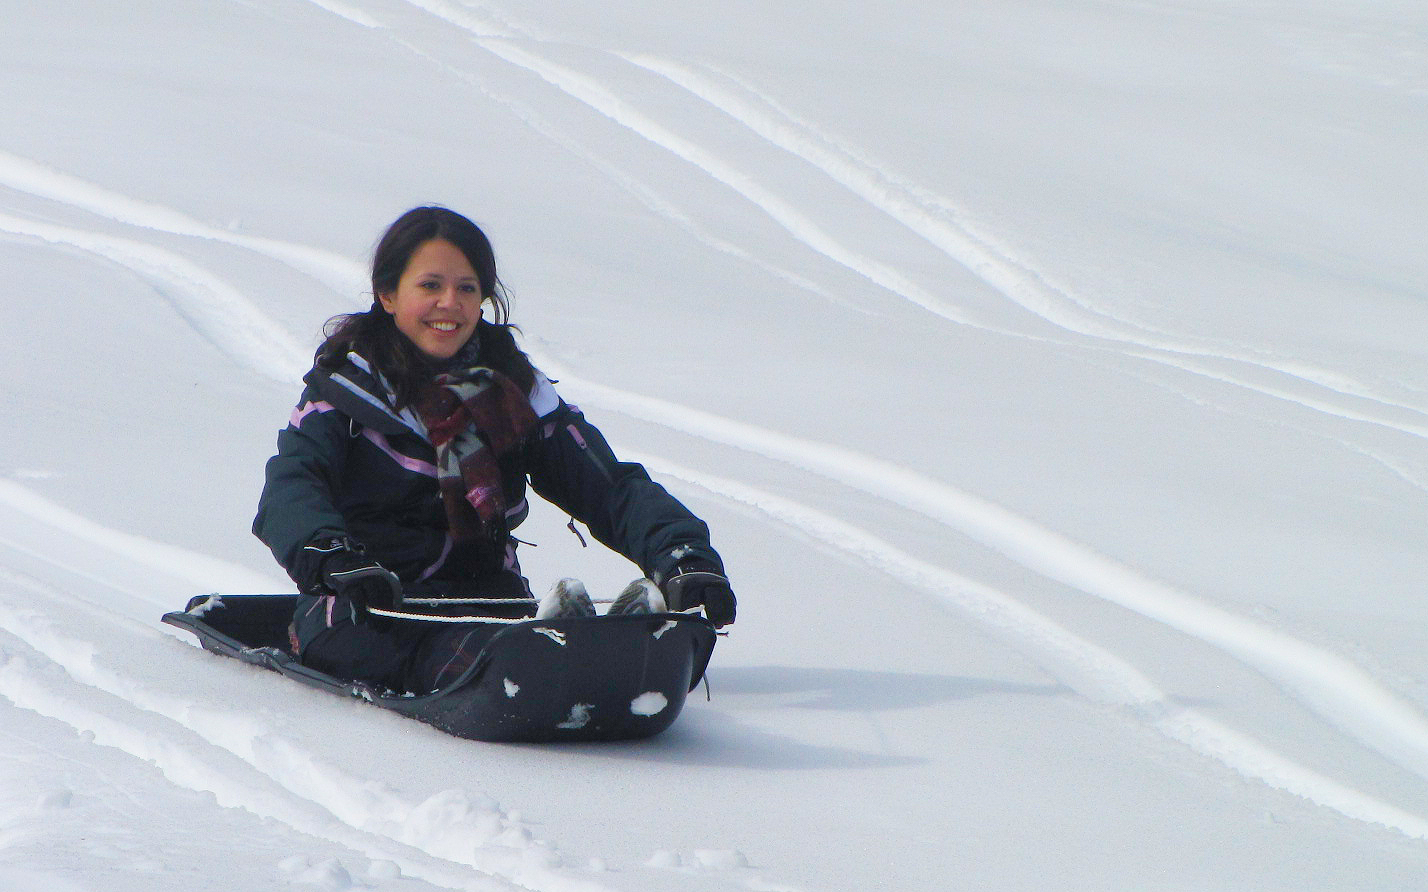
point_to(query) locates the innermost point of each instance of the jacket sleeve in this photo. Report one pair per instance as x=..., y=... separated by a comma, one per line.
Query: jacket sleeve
x=571, y=465
x=297, y=504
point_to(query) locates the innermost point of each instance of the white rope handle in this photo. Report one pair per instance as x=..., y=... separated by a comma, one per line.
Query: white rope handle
x=430, y=618
x=436, y=602
x=432, y=602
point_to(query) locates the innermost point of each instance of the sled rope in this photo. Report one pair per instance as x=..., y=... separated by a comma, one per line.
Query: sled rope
x=435, y=602
x=432, y=602
x=429, y=618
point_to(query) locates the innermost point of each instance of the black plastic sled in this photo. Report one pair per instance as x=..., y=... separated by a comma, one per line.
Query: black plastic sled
x=589, y=678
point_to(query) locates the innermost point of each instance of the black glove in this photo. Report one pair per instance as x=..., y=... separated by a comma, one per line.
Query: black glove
x=691, y=585
x=342, y=569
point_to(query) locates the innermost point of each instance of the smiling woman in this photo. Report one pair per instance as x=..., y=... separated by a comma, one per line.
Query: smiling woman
x=432, y=267
x=397, y=484
x=437, y=301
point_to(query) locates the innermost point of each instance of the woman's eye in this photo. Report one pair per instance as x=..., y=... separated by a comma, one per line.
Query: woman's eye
x=430, y=286
x=469, y=288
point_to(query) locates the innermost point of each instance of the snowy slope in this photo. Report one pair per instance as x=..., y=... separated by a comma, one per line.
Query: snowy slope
x=1052, y=375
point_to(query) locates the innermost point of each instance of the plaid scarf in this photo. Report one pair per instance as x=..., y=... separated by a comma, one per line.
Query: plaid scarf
x=473, y=417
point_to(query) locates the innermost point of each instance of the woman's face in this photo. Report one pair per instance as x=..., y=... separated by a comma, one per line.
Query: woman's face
x=438, y=299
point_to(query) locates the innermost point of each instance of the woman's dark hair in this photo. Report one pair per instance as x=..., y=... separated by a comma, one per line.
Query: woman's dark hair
x=374, y=334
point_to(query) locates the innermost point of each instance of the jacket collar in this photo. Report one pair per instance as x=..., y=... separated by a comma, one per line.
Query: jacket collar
x=363, y=395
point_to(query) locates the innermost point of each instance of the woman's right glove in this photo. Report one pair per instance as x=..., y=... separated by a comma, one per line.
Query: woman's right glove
x=339, y=567
x=691, y=585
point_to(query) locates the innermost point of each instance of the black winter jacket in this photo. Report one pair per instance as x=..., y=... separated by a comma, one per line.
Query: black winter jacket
x=348, y=464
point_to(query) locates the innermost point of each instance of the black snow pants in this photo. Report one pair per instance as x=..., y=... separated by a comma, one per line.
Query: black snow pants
x=405, y=656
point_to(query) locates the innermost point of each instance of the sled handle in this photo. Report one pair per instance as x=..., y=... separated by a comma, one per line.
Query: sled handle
x=696, y=611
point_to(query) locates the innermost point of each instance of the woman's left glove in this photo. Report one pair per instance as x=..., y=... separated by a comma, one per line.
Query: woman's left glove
x=691, y=585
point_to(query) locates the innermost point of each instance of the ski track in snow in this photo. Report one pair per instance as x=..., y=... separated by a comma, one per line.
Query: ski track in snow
x=25, y=175
x=1331, y=686
x=1087, y=669
x=924, y=215
x=344, y=276
x=218, y=312
x=350, y=13
x=497, y=40
x=193, y=761
x=1000, y=266
x=658, y=204
x=59, y=661
x=204, y=572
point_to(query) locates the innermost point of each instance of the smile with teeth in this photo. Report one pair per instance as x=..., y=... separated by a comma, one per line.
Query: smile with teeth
x=444, y=325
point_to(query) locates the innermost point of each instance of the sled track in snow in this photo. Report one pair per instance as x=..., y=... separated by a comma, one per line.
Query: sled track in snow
x=208, y=301
x=1089, y=670
x=641, y=191
x=930, y=218
x=220, y=314
x=24, y=175
x=1334, y=688
x=200, y=570
x=66, y=658
x=229, y=320
x=189, y=759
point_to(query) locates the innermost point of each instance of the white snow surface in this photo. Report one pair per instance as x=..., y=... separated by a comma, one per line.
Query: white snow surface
x=1053, y=377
